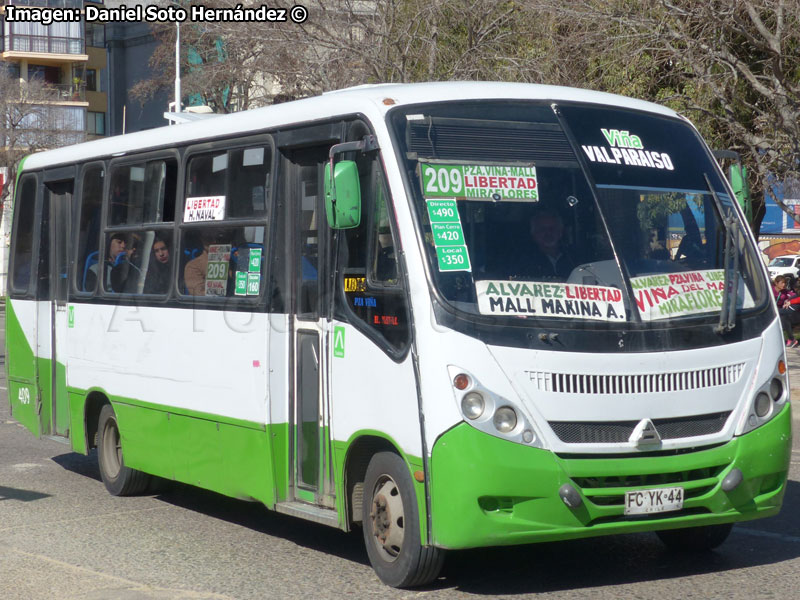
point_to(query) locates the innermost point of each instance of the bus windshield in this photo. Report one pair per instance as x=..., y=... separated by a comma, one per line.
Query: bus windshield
x=579, y=213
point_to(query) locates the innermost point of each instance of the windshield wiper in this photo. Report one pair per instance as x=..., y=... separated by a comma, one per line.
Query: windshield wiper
x=727, y=315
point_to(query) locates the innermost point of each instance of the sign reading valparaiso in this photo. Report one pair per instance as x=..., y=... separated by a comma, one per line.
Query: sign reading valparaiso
x=540, y=299
x=480, y=182
x=625, y=148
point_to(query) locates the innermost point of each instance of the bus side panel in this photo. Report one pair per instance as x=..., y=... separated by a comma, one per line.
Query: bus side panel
x=20, y=364
x=372, y=395
x=225, y=457
x=246, y=458
x=279, y=351
x=77, y=422
x=145, y=438
x=189, y=388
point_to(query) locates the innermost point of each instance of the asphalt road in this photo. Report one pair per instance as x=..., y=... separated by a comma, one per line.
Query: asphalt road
x=62, y=536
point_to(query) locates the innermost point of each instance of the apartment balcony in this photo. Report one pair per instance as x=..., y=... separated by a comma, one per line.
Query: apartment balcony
x=68, y=92
x=44, y=49
x=58, y=43
x=53, y=93
x=49, y=126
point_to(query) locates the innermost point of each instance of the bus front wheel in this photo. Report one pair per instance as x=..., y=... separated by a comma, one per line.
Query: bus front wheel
x=391, y=525
x=695, y=539
x=118, y=479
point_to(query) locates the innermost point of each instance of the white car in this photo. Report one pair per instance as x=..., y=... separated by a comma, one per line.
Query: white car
x=788, y=265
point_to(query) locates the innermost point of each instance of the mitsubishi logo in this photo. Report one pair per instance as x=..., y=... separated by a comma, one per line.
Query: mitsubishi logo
x=645, y=434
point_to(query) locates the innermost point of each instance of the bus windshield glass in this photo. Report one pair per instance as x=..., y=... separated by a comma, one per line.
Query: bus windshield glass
x=582, y=214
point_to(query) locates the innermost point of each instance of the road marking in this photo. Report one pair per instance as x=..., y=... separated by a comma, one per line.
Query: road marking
x=134, y=585
x=768, y=534
x=78, y=519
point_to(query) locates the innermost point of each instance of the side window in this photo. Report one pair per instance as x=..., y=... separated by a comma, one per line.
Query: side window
x=383, y=262
x=229, y=184
x=137, y=253
x=143, y=192
x=91, y=203
x=135, y=262
x=369, y=277
x=308, y=301
x=222, y=261
x=25, y=211
x=222, y=252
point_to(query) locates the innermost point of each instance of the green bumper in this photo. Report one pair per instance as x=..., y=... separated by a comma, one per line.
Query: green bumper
x=486, y=491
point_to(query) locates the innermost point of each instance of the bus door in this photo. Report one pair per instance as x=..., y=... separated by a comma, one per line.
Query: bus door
x=51, y=294
x=22, y=339
x=309, y=411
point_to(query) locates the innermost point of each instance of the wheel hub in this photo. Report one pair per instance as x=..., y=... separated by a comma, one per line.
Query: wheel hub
x=387, y=516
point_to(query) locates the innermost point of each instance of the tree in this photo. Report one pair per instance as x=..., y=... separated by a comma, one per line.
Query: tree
x=731, y=65
x=233, y=66
x=228, y=66
x=30, y=122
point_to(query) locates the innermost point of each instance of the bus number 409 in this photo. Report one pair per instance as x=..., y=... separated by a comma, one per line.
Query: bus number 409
x=24, y=396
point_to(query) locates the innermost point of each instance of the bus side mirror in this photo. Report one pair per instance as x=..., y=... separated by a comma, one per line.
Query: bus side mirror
x=342, y=195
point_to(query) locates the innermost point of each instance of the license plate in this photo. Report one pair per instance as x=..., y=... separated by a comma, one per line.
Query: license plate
x=653, y=501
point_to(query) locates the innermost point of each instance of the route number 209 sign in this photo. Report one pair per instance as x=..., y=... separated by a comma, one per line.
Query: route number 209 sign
x=480, y=182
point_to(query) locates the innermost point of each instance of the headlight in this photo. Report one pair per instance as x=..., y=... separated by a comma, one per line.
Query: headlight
x=472, y=405
x=505, y=419
x=762, y=404
x=776, y=389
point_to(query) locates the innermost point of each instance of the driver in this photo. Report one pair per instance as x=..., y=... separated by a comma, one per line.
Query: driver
x=549, y=260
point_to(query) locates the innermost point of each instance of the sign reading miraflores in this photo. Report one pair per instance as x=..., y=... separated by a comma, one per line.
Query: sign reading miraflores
x=151, y=13
x=656, y=296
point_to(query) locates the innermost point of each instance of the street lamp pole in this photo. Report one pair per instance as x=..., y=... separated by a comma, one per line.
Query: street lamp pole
x=178, y=67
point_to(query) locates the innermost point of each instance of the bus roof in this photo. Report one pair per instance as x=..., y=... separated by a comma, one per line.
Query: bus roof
x=367, y=99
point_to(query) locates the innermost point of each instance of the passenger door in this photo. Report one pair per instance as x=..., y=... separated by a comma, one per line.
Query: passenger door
x=311, y=476
x=36, y=331
x=56, y=212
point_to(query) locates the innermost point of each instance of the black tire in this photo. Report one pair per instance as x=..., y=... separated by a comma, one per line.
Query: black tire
x=118, y=479
x=695, y=539
x=391, y=525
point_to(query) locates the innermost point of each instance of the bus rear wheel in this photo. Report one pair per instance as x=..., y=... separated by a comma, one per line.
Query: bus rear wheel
x=391, y=525
x=695, y=539
x=118, y=479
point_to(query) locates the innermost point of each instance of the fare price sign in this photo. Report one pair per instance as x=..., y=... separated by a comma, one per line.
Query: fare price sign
x=448, y=236
x=509, y=183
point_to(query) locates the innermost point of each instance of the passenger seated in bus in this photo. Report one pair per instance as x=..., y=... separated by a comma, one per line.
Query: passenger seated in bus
x=196, y=270
x=158, y=269
x=548, y=260
x=118, y=270
x=194, y=273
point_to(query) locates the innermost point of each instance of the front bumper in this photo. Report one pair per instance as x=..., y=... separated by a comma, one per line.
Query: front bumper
x=486, y=491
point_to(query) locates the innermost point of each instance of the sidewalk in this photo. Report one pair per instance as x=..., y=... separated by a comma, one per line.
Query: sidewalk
x=793, y=363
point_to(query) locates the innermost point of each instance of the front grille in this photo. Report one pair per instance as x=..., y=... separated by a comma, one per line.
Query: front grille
x=609, y=491
x=647, y=383
x=615, y=432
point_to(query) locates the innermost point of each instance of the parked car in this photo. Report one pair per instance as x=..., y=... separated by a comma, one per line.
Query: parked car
x=788, y=265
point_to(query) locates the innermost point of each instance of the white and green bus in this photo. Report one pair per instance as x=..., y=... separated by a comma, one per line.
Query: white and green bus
x=454, y=315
